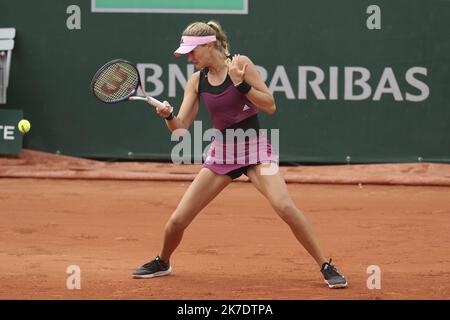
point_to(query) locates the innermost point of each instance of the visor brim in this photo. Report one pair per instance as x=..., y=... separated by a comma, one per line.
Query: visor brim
x=184, y=49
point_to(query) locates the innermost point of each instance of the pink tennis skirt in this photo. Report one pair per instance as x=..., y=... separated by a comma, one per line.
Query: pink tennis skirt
x=226, y=157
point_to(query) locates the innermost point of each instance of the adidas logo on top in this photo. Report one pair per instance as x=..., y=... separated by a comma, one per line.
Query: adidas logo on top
x=245, y=108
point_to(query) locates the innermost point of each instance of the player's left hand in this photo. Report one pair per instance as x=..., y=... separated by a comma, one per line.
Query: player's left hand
x=237, y=74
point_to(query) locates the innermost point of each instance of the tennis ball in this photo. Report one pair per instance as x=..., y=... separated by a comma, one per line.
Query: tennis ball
x=24, y=125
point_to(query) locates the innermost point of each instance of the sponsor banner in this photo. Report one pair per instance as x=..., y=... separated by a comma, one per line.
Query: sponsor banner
x=173, y=6
x=10, y=136
x=345, y=83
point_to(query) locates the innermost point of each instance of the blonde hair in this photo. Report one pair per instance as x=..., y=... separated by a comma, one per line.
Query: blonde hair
x=210, y=28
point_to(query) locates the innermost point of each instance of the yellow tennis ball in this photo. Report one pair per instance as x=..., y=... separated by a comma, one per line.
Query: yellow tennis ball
x=24, y=125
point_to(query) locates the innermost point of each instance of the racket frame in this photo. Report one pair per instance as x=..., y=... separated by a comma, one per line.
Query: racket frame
x=131, y=96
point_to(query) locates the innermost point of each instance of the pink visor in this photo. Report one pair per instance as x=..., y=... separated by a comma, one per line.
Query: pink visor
x=188, y=43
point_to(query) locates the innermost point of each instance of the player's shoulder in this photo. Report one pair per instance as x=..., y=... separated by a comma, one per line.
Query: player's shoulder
x=194, y=77
x=194, y=81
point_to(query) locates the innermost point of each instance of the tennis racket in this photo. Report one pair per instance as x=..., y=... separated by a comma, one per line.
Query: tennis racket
x=118, y=81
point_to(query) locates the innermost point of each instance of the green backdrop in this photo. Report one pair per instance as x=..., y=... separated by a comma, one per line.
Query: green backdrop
x=407, y=59
x=10, y=136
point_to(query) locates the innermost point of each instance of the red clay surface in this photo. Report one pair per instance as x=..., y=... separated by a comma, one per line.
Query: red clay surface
x=237, y=248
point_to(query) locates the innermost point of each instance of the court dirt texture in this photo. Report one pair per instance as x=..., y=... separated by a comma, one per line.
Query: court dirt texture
x=108, y=218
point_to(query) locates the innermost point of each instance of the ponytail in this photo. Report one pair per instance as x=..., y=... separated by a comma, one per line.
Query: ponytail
x=221, y=36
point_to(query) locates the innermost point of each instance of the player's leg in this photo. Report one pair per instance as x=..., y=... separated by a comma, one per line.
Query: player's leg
x=205, y=187
x=274, y=188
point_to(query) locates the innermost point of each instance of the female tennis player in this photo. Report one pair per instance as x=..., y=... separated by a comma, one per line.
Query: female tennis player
x=234, y=93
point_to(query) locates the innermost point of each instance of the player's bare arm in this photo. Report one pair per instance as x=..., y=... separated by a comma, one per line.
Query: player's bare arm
x=188, y=109
x=242, y=68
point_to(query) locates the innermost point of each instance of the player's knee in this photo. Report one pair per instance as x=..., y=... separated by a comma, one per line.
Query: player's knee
x=176, y=225
x=285, y=208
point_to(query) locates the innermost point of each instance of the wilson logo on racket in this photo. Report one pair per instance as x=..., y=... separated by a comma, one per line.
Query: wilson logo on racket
x=117, y=81
x=113, y=84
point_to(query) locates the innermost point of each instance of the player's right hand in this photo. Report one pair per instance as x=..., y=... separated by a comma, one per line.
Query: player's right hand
x=164, y=111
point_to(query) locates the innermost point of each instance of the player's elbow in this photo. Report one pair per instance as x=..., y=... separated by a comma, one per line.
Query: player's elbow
x=271, y=109
x=271, y=105
x=180, y=132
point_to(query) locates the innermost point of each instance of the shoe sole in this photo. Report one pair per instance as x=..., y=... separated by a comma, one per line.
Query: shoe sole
x=153, y=275
x=336, y=286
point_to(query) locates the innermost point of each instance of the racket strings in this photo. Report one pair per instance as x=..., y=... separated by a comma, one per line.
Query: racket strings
x=116, y=82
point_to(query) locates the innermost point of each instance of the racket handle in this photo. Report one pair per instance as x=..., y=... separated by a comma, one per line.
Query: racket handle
x=137, y=98
x=154, y=102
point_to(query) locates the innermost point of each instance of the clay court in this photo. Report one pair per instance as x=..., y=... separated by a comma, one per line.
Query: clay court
x=104, y=219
